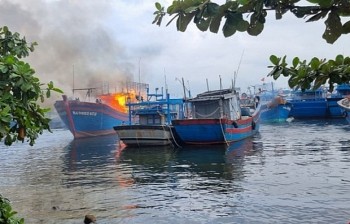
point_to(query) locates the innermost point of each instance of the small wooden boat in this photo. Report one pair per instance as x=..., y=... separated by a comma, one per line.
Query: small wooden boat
x=145, y=135
x=344, y=104
x=334, y=110
x=218, y=118
x=153, y=126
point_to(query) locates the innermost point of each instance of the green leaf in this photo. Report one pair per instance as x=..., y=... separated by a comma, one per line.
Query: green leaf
x=10, y=60
x=192, y=9
x=203, y=24
x=215, y=24
x=243, y=2
x=158, y=6
x=50, y=85
x=256, y=26
x=314, y=63
x=339, y=59
x=216, y=20
x=277, y=73
x=318, y=16
x=334, y=28
x=302, y=11
x=212, y=9
x=242, y=26
x=320, y=80
x=26, y=86
x=57, y=90
x=346, y=28
x=255, y=29
x=228, y=30
x=183, y=21
x=233, y=19
x=347, y=61
x=274, y=59
x=3, y=68
x=48, y=93
x=198, y=16
x=295, y=62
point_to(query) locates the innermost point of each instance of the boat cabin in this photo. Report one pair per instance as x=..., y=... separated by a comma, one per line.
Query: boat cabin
x=157, y=112
x=154, y=115
x=216, y=104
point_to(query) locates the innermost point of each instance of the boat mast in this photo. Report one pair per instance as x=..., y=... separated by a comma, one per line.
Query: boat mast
x=236, y=72
x=139, y=85
x=73, y=81
x=166, y=85
x=185, y=98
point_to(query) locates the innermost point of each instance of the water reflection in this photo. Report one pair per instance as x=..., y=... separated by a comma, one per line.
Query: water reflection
x=211, y=163
x=88, y=161
x=291, y=172
x=90, y=152
x=246, y=147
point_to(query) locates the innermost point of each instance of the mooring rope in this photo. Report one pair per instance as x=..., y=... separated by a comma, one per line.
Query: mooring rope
x=172, y=135
x=223, y=133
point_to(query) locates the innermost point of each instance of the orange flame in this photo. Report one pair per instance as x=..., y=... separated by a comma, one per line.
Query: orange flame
x=116, y=100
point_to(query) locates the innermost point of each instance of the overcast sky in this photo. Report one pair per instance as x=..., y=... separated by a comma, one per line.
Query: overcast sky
x=100, y=40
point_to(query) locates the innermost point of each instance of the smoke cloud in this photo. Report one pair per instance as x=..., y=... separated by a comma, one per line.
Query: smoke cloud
x=74, y=40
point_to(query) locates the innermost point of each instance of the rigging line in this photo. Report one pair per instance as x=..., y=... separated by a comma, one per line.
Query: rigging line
x=240, y=61
x=223, y=133
x=236, y=72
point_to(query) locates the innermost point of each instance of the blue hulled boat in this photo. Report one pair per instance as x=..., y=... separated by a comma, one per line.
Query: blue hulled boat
x=318, y=103
x=218, y=118
x=274, y=106
x=97, y=116
x=274, y=111
x=308, y=104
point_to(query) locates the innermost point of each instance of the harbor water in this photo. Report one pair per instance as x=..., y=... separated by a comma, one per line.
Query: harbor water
x=297, y=172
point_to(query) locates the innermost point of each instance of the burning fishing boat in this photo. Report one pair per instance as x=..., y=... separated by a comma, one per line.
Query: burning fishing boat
x=99, y=112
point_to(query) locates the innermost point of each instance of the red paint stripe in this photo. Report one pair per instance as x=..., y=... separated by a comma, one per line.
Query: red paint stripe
x=69, y=116
x=238, y=130
x=196, y=121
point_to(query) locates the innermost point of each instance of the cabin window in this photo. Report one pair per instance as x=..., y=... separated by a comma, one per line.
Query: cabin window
x=156, y=120
x=153, y=120
x=150, y=120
